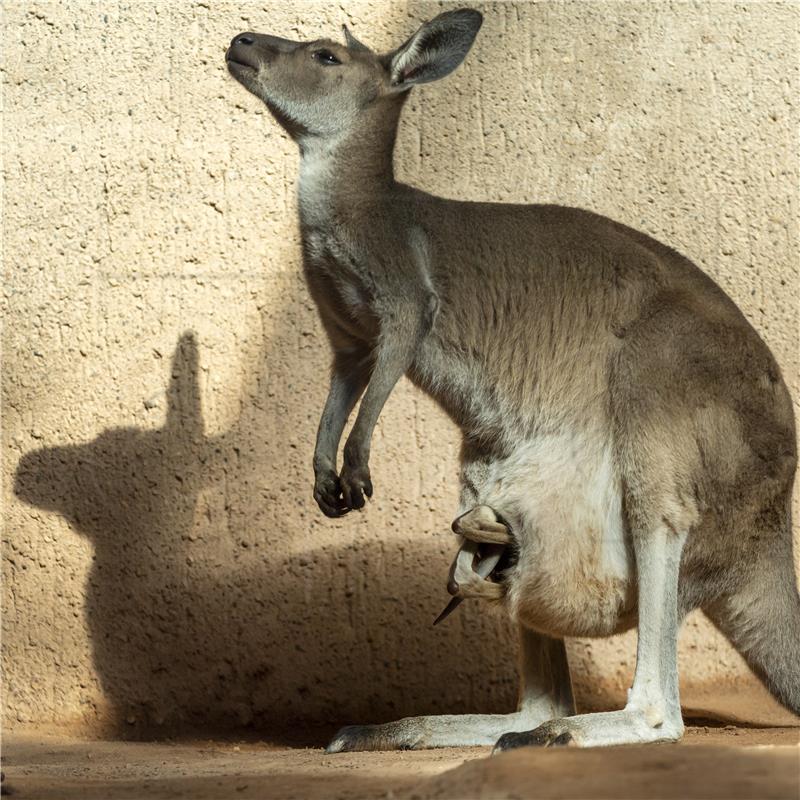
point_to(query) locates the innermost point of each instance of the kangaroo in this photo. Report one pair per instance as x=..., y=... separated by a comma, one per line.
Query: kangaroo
x=625, y=429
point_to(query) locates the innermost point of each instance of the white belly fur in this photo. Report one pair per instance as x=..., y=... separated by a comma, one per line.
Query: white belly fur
x=561, y=494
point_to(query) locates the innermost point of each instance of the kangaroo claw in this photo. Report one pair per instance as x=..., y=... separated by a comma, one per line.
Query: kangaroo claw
x=454, y=603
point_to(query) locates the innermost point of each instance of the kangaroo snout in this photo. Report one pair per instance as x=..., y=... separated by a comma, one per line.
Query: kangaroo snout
x=251, y=50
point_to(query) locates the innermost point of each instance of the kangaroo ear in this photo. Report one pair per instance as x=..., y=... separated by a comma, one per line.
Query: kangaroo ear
x=436, y=49
x=353, y=43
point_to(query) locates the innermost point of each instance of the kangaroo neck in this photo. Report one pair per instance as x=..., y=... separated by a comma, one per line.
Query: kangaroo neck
x=337, y=174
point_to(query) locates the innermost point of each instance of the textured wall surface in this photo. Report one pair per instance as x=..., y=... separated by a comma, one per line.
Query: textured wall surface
x=163, y=367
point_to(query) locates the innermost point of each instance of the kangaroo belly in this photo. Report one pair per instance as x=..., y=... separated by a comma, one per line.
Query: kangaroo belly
x=562, y=496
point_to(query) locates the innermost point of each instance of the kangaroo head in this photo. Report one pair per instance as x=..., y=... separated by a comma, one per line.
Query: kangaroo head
x=323, y=88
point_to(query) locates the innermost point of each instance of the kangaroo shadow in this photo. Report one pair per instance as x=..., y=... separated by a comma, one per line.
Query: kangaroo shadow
x=201, y=616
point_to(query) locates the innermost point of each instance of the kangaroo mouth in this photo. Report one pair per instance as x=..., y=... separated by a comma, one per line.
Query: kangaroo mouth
x=241, y=60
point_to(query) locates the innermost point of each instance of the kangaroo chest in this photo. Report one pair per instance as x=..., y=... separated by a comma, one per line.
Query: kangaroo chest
x=339, y=286
x=334, y=262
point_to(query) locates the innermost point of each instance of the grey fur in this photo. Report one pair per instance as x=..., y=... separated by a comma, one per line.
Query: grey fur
x=620, y=415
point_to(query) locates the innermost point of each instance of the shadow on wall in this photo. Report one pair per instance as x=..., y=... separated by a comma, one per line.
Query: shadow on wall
x=208, y=602
x=195, y=622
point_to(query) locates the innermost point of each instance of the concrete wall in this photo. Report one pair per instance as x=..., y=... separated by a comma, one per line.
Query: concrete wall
x=163, y=561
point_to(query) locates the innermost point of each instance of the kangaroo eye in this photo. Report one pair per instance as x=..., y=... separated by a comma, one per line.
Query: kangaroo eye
x=325, y=57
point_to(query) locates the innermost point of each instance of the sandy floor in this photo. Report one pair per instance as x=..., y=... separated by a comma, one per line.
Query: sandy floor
x=711, y=762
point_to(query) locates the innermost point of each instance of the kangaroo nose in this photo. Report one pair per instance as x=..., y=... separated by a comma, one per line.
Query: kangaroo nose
x=243, y=38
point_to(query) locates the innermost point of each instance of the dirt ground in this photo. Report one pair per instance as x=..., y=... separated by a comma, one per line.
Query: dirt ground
x=712, y=762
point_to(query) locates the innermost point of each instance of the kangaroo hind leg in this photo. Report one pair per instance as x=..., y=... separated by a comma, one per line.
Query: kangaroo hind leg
x=653, y=711
x=545, y=692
